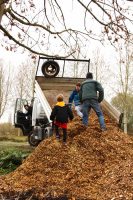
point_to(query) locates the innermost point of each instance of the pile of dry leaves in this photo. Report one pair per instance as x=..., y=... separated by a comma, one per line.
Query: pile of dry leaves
x=92, y=166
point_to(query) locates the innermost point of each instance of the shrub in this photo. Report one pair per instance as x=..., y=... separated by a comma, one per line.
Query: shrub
x=11, y=158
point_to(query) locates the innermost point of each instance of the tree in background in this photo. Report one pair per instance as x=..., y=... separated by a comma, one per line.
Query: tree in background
x=99, y=67
x=124, y=78
x=24, y=80
x=118, y=102
x=36, y=25
x=5, y=87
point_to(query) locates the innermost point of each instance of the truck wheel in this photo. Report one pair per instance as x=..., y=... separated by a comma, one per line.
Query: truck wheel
x=32, y=141
x=50, y=69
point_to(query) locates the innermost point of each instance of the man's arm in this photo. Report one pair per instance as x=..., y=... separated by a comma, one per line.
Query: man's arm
x=101, y=92
x=71, y=97
x=80, y=94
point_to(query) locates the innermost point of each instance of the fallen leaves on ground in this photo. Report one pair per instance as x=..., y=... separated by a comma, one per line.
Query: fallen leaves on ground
x=94, y=165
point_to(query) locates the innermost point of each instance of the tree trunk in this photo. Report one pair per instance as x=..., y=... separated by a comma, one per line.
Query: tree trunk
x=125, y=121
x=2, y=6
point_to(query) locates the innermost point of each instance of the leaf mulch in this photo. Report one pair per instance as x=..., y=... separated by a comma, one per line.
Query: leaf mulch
x=94, y=165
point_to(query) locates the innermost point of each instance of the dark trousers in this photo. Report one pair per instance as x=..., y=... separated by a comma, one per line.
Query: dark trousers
x=58, y=134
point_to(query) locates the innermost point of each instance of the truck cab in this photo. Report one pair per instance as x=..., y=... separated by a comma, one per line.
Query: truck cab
x=36, y=127
x=20, y=119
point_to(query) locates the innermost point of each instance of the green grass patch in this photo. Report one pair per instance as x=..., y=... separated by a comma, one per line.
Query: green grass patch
x=11, y=158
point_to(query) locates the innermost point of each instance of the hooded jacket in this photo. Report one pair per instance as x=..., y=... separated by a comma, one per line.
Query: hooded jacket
x=61, y=113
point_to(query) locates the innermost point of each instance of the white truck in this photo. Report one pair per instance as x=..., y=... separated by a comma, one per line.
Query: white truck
x=51, y=79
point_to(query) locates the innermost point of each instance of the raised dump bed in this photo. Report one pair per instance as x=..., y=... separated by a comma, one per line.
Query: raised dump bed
x=51, y=87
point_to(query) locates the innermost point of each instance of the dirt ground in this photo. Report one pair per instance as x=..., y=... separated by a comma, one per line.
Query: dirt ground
x=94, y=165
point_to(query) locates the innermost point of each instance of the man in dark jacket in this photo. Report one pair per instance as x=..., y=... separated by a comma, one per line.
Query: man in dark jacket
x=89, y=98
x=60, y=115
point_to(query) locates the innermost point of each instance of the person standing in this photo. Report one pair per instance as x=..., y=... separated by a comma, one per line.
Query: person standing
x=60, y=115
x=74, y=97
x=91, y=95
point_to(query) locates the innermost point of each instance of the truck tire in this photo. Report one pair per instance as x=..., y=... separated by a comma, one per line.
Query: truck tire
x=50, y=69
x=32, y=141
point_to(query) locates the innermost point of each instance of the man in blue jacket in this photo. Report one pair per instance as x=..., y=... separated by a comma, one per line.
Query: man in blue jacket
x=74, y=97
x=89, y=98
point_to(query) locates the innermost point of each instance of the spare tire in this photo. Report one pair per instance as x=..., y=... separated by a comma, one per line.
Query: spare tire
x=50, y=69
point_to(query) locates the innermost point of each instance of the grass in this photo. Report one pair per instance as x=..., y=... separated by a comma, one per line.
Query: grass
x=14, y=138
x=11, y=157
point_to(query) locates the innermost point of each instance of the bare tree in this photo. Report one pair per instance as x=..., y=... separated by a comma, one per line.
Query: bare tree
x=5, y=86
x=24, y=80
x=125, y=77
x=99, y=67
x=36, y=25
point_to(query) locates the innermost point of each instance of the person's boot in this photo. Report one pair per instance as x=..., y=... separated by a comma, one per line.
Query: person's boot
x=58, y=137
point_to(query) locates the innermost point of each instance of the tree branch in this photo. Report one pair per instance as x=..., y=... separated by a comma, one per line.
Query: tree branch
x=26, y=47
